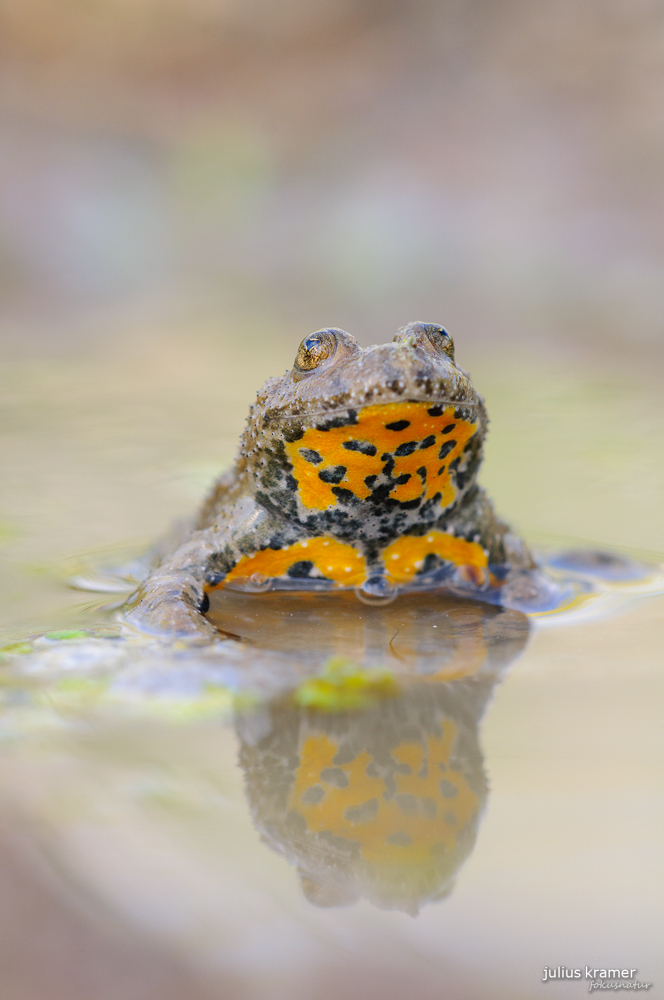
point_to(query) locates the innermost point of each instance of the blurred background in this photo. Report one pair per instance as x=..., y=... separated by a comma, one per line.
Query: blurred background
x=497, y=165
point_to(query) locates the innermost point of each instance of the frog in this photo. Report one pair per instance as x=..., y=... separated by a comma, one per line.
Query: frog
x=357, y=470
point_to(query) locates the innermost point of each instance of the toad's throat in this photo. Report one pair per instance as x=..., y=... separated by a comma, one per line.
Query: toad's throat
x=406, y=452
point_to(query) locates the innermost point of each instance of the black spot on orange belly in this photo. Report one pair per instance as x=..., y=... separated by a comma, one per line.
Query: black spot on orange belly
x=381, y=445
x=333, y=475
x=365, y=447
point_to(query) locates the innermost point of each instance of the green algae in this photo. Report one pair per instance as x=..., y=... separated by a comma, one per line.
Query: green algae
x=343, y=686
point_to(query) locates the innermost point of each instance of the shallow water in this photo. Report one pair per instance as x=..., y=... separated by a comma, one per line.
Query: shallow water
x=195, y=815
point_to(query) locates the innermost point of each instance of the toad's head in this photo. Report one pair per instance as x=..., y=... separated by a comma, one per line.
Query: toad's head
x=366, y=443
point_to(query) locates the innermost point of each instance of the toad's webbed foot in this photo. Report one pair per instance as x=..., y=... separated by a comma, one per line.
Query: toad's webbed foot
x=172, y=601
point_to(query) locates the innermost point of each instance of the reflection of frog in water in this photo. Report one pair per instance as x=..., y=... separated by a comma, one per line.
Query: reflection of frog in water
x=426, y=635
x=357, y=469
x=385, y=803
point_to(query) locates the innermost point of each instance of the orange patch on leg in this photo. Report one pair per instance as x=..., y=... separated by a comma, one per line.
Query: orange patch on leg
x=406, y=556
x=336, y=561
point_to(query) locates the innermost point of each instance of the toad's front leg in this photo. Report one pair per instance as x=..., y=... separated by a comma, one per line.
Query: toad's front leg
x=171, y=603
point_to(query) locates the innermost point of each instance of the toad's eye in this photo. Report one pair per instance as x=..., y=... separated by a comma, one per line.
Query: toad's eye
x=427, y=335
x=315, y=349
x=440, y=339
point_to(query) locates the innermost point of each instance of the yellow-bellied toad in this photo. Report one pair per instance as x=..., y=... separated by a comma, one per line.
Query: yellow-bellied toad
x=357, y=469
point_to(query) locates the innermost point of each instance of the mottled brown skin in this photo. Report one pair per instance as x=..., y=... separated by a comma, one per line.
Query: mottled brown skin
x=357, y=468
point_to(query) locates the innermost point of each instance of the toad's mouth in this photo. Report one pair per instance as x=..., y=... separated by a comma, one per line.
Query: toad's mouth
x=403, y=450
x=354, y=407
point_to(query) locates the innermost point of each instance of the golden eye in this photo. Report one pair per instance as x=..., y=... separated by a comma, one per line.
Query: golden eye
x=440, y=339
x=315, y=349
x=421, y=333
